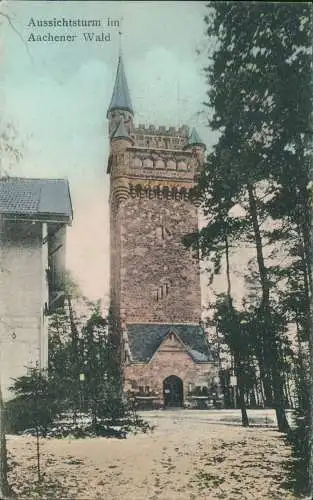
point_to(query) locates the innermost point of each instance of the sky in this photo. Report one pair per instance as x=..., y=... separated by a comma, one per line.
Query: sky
x=57, y=94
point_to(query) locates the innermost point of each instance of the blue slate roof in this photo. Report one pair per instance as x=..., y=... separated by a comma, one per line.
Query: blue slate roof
x=22, y=196
x=145, y=339
x=120, y=132
x=195, y=139
x=121, y=96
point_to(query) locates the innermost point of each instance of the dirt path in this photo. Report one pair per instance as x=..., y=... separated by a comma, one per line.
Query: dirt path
x=182, y=459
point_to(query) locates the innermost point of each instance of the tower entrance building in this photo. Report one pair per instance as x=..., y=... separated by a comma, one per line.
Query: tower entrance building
x=155, y=280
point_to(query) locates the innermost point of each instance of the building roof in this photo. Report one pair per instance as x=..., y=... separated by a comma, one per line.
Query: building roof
x=35, y=198
x=145, y=339
x=195, y=139
x=120, y=132
x=121, y=96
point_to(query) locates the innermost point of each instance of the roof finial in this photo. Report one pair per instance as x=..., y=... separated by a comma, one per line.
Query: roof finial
x=178, y=104
x=120, y=34
x=120, y=44
x=120, y=97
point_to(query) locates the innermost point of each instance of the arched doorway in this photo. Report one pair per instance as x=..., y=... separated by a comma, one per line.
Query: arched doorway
x=173, y=391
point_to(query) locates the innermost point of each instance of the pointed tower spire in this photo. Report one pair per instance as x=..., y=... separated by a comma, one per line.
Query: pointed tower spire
x=121, y=96
x=120, y=132
x=196, y=144
x=194, y=139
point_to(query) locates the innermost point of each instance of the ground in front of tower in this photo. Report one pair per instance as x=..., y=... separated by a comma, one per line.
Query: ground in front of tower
x=191, y=455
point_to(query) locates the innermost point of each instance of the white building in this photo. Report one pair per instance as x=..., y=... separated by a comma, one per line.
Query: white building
x=34, y=214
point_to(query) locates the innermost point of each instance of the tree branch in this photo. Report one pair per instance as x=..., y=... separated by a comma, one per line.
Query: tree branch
x=16, y=31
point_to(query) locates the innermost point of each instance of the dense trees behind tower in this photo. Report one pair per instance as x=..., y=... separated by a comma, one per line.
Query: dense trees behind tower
x=254, y=192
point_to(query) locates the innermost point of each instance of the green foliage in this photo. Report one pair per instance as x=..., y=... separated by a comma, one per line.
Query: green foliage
x=232, y=325
x=35, y=403
x=260, y=95
x=299, y=438
x=84, y=376
x=259, y=80
x=11, y=146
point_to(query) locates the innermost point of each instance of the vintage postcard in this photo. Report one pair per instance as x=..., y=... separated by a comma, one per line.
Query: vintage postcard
x=155, y=258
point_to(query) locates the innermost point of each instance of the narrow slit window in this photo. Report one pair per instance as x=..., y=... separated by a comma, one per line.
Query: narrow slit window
x=161, y=292
x=165, y=232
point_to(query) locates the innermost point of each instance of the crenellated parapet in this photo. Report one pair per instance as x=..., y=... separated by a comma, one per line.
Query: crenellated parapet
x=161, y=137
x=161, y=174
x=157, y=148
x=182, y=131
x=163, y=162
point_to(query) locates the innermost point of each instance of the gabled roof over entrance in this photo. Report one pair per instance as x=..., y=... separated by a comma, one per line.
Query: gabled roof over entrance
x=145, y=339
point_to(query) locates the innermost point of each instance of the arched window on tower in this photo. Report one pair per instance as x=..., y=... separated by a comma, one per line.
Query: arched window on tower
x=159, y=164
x=137, y=162
x=171, y=165
x=148, y=163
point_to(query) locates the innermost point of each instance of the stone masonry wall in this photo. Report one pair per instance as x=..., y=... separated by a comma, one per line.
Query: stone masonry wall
x=154, y=278
x=160, y=278
x=115, y=258
x=169, y=361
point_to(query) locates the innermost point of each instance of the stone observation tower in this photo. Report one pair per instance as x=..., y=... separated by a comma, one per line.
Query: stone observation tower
x=155, y=280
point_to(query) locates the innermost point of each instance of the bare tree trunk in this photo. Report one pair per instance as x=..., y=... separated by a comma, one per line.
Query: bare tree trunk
x=237, y=355
x=75, y=360
x=240, y=381
x=270, y=338
x=310, y=388
x=308, y=248
x=257, y=394
x=266, y=382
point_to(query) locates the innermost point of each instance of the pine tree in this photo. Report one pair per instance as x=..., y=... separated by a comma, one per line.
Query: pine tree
x=260, y=56
x=260, y=95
